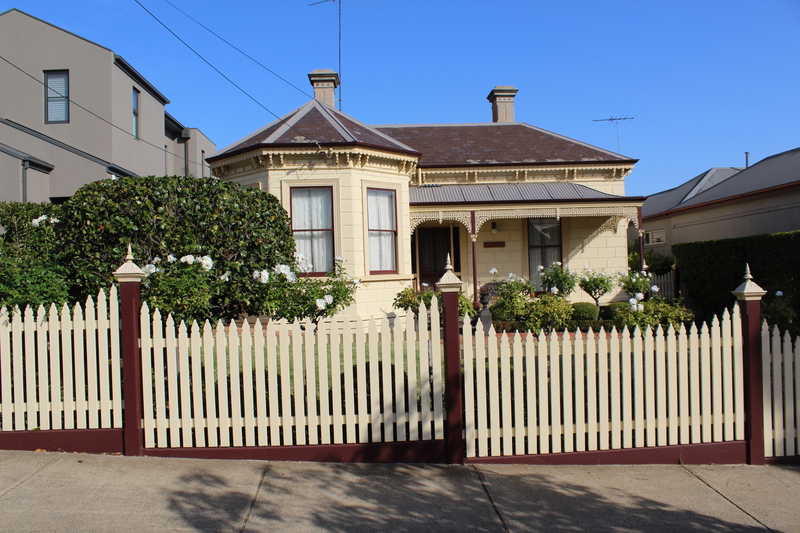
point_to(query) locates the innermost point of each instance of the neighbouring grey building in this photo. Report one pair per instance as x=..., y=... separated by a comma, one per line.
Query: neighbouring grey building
x=726, y=202
x=73, y=112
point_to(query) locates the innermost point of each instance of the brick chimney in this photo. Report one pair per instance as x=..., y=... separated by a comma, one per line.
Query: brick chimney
x=325, y=82
x=502, y=99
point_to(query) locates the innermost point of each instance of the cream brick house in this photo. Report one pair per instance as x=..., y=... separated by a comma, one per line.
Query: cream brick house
x=393, y=201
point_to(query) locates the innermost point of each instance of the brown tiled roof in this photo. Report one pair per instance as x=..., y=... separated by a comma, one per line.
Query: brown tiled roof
x=508, y=192
x=314, y=123
x=493, y=144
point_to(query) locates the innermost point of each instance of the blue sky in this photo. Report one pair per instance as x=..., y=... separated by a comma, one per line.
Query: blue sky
x=706, y=80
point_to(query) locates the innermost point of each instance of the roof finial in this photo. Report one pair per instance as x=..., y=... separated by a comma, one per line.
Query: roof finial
x=448, y=266
x=129, y=255
x=747, y=274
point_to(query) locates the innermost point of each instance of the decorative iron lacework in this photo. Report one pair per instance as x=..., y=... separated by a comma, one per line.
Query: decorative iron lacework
x=481, y=217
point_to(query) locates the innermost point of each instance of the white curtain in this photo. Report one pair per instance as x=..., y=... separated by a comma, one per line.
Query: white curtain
x=312, y=225
x=382, y=229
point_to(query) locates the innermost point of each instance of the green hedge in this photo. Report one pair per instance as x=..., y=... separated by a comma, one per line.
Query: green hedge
x=710, y=270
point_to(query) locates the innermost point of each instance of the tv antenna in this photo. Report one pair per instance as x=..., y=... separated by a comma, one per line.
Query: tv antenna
x=340, y=43
x=615, y=120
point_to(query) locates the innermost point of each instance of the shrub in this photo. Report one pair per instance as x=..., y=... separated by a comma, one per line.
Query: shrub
x=29, y=269
x=657, y=263
x=652, y=313
x=239, y=227
x=558, y=279
x=710, y=270
x=549, y=312
x=596, y=284
x=635, y=283
x=612, y=310
x=585, y=311
x=408, y=299
x=777, y=310
x=513, y=300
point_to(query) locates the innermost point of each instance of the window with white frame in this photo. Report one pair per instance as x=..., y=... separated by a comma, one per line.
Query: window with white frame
x=56, y=106
x=382, y=222
x=655, y=237
x=135, y=95
x=312, y=226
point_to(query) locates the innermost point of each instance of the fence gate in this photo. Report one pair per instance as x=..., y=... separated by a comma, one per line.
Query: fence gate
x=348, y=388
x=582, y=392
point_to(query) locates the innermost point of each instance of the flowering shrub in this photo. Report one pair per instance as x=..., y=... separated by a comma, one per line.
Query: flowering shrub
x=596, y=283
x=633, y=282
x=235, y=225
x=777, y=310
x=558, y=279
x=651, y=313
x=282, y=293
x=29, y=269
x=408, y=300
x=514, y=297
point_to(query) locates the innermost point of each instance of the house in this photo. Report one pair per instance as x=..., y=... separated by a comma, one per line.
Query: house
x=393, y=201
x=726, y=202
x=73, y=112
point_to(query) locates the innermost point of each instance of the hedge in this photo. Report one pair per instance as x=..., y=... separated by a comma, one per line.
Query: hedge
x=710, y=270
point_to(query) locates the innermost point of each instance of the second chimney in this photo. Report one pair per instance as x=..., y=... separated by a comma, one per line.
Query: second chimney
x=325, y=82
x=502, y=99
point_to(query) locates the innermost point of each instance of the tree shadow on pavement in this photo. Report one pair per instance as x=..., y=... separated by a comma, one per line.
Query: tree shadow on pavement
x=403, y=497
x=206, y=502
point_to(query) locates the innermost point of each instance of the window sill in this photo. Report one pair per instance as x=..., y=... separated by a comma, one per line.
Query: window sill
x=386, y=277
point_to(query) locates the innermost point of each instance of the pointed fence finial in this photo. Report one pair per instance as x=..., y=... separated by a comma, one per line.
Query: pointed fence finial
x=449, y=281
x=748, y=290
x=747, y=274
x=129, y=271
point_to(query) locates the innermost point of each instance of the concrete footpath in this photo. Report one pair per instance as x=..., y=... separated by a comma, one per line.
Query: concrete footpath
x=76, y=492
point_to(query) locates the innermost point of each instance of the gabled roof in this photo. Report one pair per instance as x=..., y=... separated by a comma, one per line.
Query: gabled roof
x=774, y=172
x=448, y=145
x=314, y=124
x=435, y=194
x=666, y=200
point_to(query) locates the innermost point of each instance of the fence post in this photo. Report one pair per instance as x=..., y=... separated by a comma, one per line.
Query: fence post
x=450, y=286
x=749, y=295
x=129, y=277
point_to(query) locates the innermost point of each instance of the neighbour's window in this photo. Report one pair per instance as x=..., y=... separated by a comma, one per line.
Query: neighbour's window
x=544, y=245
x=381, y=212
x=655, y=237
x=312, y=226
x=56, y=106
x=135, y=113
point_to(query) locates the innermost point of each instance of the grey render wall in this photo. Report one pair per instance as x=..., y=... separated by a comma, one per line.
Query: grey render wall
x=97, y=82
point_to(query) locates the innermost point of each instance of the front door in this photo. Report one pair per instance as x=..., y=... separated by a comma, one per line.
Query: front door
x=433, y=245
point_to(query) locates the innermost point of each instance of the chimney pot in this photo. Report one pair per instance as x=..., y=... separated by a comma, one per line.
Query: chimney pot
x=325, y=82
x=502, y=99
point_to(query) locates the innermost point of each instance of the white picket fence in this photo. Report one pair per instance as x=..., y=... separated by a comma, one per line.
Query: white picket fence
x=781, y=382
x=285, y=384
x=527, y=394
x=60, y=369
